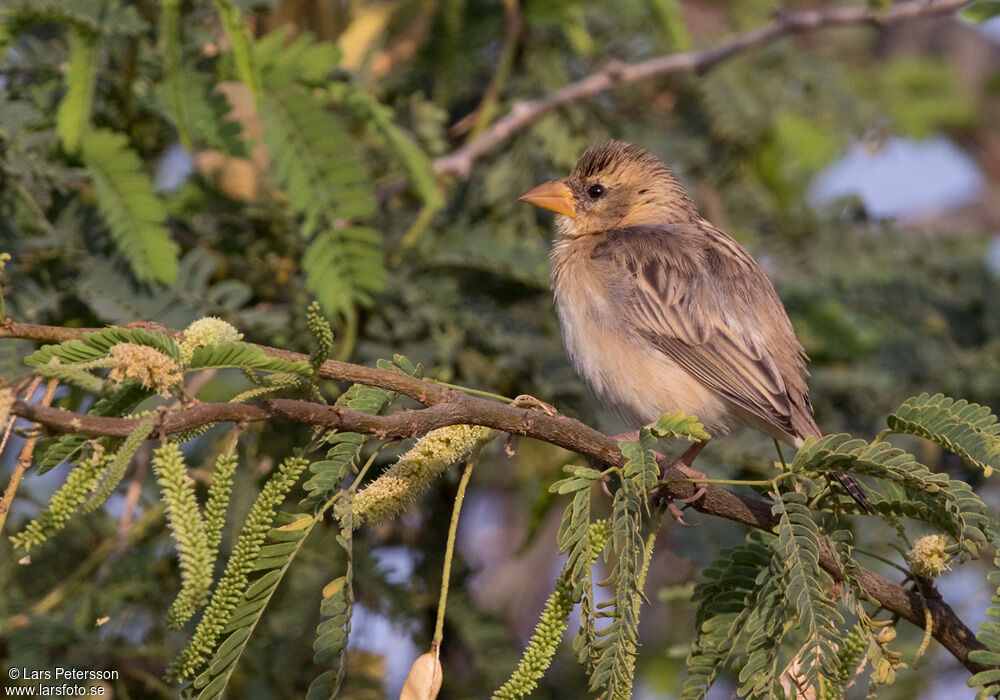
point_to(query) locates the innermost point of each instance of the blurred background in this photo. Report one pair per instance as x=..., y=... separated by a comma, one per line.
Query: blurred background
x=861, y=166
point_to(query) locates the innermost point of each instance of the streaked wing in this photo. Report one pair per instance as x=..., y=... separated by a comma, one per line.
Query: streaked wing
x=700, y=298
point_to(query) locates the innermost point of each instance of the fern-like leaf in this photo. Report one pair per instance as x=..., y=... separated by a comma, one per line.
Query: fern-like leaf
x=316, y=165
x=969, y=430
x=130, y=207
x=338, y=603
x=239, y=354
x=97, y=344
x=239, y=34
x=841, y=453
x=73, y=115
x=725, y=600
x=797, y=546
x=679, y=425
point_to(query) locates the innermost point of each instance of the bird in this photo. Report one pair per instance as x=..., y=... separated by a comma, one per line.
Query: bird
x=661, y=311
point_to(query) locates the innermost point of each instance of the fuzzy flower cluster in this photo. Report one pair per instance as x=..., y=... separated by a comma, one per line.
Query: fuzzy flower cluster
x=929, y=557
x=413, y=472
x=540, y=650
x=189, y=533
x=146, y=365
x=64, y=502
x=204, y=332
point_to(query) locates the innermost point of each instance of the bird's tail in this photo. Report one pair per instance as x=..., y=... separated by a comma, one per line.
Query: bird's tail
x=855, y=491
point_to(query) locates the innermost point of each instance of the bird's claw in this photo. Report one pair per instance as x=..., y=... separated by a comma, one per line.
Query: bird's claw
x=678, y=515
x=697, y=494
x=532, y=404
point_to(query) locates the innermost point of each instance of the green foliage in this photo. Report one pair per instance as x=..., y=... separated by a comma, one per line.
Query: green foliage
x=679, y=425
x=122, y=400
x=239, y=35
x=232, y=586
x=927, y=96
x=188, y=531
x=725, y=599
x=97, y=344
x=173, y=68
x=806, y=585
x=73, y=116
x=618, y=641
x=337, y=607
x=988, y=681
x=132, y=211
x=345, y=448
x=969, y=430
x=342, y=198
x=106, y=17
x=272, y=562
x=244, y=355
x=966, y=512
x=316, y=165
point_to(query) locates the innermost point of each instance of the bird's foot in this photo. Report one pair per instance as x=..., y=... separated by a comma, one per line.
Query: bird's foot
x=678, y=515
x=678, y=511
x=532, y=404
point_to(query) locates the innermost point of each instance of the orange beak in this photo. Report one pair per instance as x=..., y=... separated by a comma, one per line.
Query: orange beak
x=555, y=196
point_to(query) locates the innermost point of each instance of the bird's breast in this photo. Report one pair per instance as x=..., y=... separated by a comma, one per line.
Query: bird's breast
x=625, y=371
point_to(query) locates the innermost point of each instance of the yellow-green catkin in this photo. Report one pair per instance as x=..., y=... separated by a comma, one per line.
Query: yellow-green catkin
x=229, y=591
x=146, y=365
x=64, y=502
x=549, y=631
x=929, y=557
x=118, y=465
x=413, y=472
x=205, y=332
x=218, y=499
x=540, y=650
x=188, y=531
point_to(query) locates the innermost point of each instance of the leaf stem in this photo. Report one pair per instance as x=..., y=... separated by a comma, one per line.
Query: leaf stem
x=470, y=391
x=730, y=482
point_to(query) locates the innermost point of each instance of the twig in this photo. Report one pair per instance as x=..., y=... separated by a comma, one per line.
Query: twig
x=449, y=407
x=27, y=452
x=615, y=74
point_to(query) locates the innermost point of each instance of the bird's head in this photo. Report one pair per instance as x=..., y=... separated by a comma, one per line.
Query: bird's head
x=612, y=186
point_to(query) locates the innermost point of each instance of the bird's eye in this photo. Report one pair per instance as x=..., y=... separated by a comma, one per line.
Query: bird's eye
x=595, y=191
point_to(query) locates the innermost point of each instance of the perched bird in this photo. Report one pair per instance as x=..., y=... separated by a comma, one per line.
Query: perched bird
x=662, y=312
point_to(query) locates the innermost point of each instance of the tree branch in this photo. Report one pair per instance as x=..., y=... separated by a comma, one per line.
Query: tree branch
x=449, y=407
x=615, y=73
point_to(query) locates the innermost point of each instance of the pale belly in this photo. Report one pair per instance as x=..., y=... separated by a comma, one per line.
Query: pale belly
x=631, y=376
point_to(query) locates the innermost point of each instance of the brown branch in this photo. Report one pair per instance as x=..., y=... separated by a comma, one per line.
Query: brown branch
x=615, y=74
x=449, y=407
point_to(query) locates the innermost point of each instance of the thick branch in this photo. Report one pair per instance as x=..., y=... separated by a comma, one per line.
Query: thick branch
x=449, y=407
x=614, y=74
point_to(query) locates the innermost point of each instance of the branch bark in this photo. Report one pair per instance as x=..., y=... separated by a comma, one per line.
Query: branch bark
x=615, y=73
x=446, y=406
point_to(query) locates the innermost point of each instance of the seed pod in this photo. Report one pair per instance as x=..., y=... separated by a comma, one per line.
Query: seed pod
x=424, y=679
